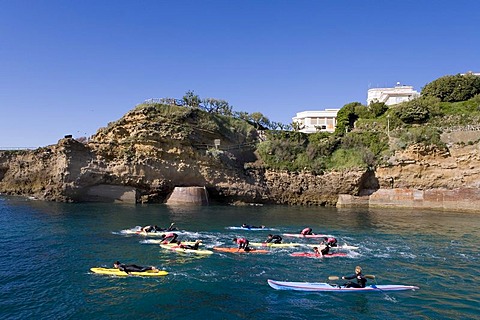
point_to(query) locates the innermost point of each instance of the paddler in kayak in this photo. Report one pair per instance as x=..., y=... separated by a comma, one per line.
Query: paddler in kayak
x=132, y=267
x=322, y=251
x=247, y=226
x=274, y=238
x=188, y=246
x=329, y=241
x=361, y=280
x=156, y=228
x=242, y=243
x=306, y=231
x=169, y=237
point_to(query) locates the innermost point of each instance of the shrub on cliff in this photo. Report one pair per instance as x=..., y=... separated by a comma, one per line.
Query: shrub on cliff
x=417, y=110
x=453, y=88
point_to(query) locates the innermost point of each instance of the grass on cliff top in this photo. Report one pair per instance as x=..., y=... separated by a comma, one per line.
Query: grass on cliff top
x=232, y=128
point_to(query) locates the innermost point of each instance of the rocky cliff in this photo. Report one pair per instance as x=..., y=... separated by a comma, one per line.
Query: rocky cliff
x=154, y=148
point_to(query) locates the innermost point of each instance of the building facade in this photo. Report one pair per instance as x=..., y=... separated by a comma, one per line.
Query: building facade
x=390, y=96
x=314, y=121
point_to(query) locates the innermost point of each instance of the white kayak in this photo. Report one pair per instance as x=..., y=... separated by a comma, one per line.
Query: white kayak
x=251, y=228
x=325, y=287
x=138, y=231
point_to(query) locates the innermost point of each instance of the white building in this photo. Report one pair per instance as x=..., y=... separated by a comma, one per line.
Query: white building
x=314, y=121
x=391, y=96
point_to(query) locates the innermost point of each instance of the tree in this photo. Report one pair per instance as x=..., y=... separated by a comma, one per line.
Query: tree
x=259, y=120
x=453, y=88
x=213, y=105
x=377, y=108
x=191, y=99
x=346, y=118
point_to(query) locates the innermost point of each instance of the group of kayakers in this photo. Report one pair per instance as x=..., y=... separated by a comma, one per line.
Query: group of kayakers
x=243, y=244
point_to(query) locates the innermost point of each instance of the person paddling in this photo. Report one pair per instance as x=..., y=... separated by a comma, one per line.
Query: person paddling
x=247, y=226
x=274, y=239
x=188, y=246
x=242, y=243
x=330, y=241
x=361, y=280
x=306, y=231
x=132, y=267
x=323, y=251
x=169, y=237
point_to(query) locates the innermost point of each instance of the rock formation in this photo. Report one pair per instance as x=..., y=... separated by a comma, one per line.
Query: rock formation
x=152, y=149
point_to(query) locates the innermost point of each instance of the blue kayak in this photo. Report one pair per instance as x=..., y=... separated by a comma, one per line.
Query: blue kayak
x=325, y=287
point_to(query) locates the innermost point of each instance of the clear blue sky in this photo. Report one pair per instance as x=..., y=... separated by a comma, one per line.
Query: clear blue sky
x=70, y=67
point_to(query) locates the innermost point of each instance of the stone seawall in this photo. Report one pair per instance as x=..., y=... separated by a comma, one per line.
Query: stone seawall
x=460, y=199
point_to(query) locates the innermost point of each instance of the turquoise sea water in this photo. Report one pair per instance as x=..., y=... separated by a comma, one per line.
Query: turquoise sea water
x=47, y=249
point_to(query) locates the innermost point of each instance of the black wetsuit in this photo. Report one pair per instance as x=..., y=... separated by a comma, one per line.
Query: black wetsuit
x=189, y=246
x=275, y=239
x=361, y=281
x=325, y=250
x=132, y=268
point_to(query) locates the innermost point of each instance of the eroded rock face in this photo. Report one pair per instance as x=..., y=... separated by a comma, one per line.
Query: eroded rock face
x=144, y=155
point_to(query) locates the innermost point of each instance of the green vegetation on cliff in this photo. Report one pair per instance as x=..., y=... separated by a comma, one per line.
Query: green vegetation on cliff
x=366, y=136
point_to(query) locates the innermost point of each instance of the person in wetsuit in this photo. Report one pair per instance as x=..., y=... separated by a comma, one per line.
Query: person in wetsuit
x=274, y=239
x=242, y=243
x=323, y=251
x=169, y=237
x=330, y=241
x=247, y=226
x=189, y=246
x=131, y=267
x=361, y=280
x=149, y=229
x=306, y=231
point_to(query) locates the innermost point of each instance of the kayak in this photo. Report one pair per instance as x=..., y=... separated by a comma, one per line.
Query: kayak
x=138, y=231
x=276, y=245
x=116, y=272
x=158, y=241
x=235, y=250
x=320, y=286
x=250, y=229
x=345, y=246
x=175, y=247
x=145, y=234
x=315, y=255
x=298, y=235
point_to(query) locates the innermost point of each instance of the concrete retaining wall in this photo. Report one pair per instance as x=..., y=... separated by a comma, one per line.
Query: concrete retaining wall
x=463, y=199
x=110, y=193
x=188, y=195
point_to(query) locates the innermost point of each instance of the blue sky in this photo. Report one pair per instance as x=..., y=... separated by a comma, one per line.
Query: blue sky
x=71, y=67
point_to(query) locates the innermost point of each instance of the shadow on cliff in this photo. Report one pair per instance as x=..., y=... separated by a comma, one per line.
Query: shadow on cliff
x=368, y=183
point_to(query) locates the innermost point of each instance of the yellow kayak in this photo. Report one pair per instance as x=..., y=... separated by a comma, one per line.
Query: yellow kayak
x=116, y=272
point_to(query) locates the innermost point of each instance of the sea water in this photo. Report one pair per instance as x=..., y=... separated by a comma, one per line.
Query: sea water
x=47, y=249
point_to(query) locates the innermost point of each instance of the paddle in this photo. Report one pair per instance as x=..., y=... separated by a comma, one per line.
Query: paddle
x=368, y=276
